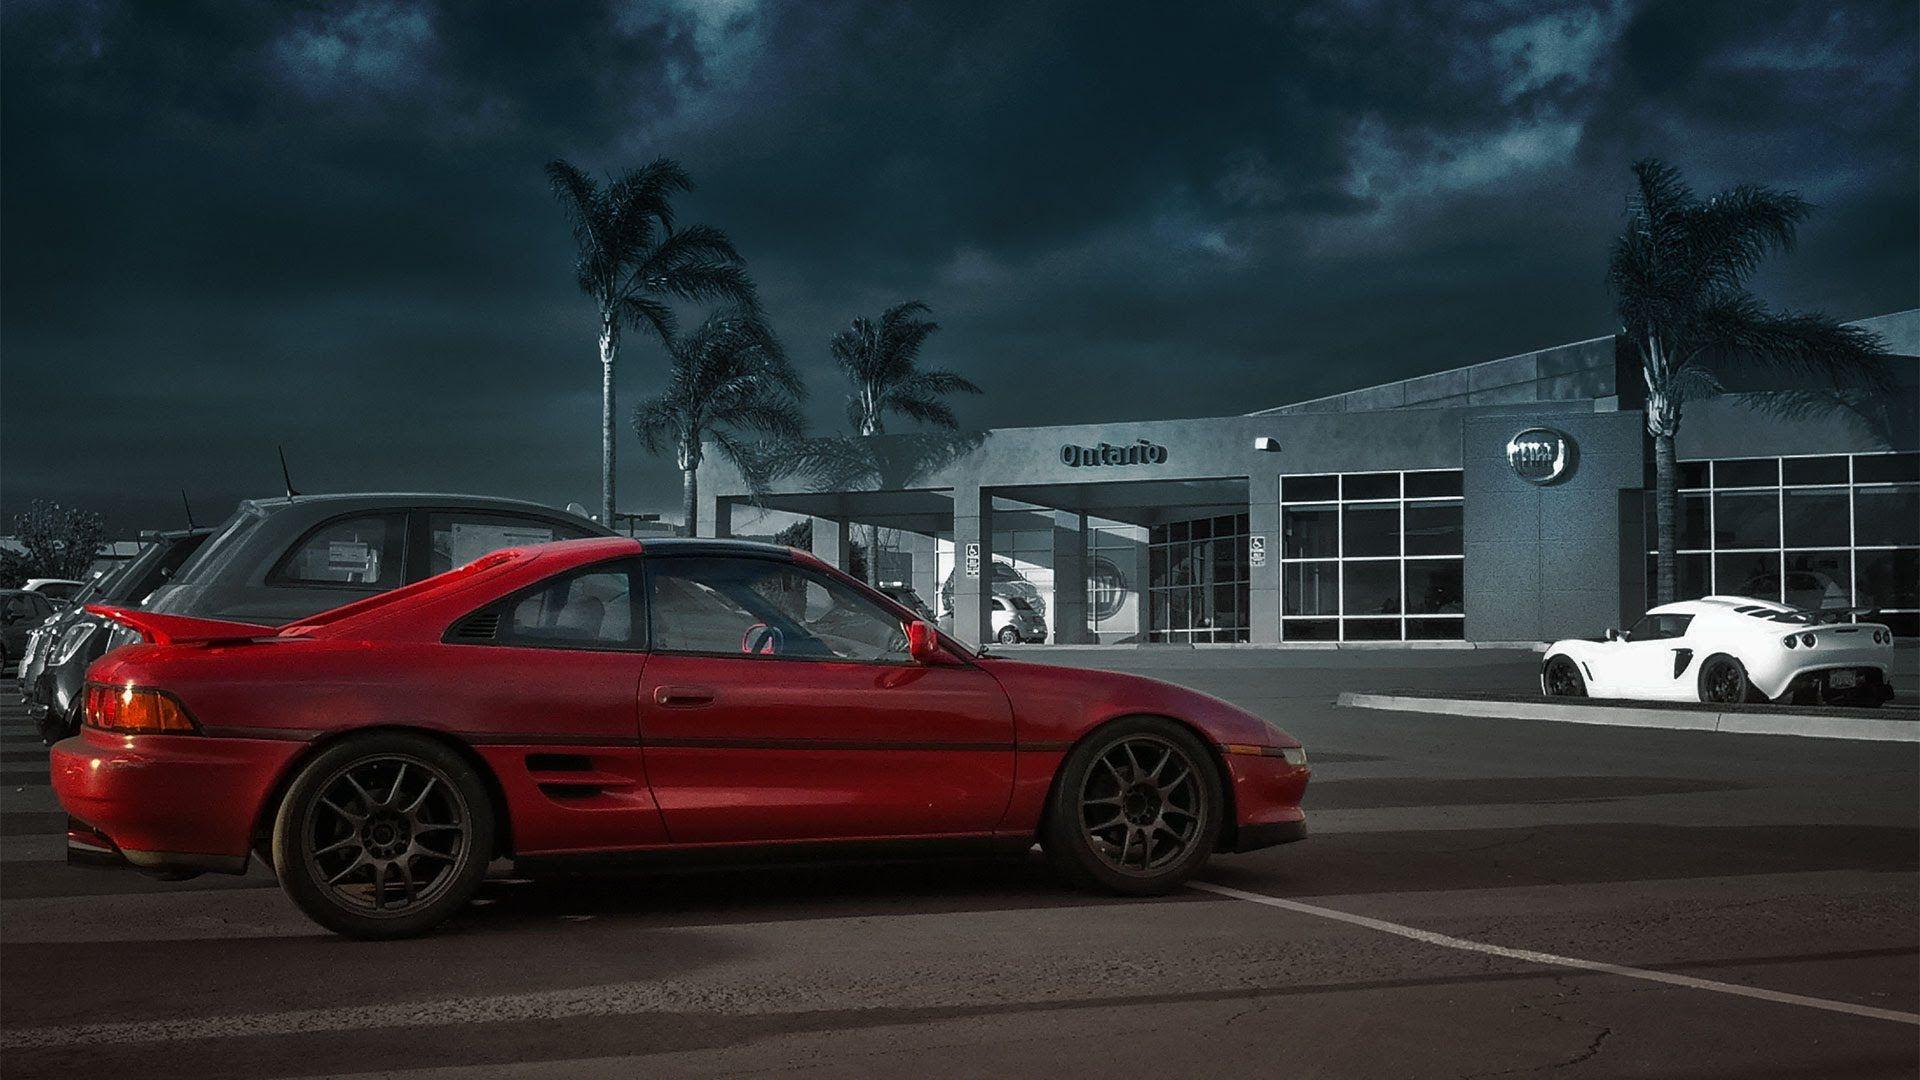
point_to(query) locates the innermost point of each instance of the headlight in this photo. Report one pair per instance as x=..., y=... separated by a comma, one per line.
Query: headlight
x=1294, y=755
x=75, y=640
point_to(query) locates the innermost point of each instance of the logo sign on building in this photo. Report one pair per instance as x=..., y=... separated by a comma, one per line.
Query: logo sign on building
x=1257, y=550
x=1140, y=453
x=1540, y=455
x=973, y=560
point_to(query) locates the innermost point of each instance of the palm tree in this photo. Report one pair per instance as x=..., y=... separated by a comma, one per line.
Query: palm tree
x=730, y=379
x=1678, y=273
x=632, y=261
x=881, y=363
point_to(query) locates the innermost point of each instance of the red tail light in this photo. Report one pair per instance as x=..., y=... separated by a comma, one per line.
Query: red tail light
x=134, y=710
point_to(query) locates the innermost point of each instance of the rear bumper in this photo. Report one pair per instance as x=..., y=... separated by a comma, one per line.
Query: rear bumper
x=165, y=802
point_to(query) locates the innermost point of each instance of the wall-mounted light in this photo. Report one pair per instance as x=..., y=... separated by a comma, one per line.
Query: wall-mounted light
x=1267, y=443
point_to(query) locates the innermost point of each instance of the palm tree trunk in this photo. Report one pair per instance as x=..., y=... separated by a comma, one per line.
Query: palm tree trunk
x=690, y=498
x=1665, y=495
x=873, y=555
x=609, y=349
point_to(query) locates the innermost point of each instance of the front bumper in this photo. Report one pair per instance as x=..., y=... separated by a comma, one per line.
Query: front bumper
x=1266, y=801
x=165, y=802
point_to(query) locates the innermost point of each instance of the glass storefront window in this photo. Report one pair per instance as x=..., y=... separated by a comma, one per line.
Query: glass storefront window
x=1746, y=519
x=1310, y=588
x=1198, y=577
x=1886, y=516
x=1434, y=528
x=1371, y=587
x=1435, y=587
x=1814, y=517
x=1310, y=532
x=1372, y=556
x=1370, y=529
x=1827, y=531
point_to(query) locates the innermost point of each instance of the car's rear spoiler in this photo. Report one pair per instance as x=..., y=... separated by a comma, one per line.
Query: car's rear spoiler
x=175, y=629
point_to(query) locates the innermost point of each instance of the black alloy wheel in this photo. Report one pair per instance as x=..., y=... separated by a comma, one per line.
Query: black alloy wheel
x=1136, y=808
x=1724, y=681
x=1562, y=678
x=383, y=835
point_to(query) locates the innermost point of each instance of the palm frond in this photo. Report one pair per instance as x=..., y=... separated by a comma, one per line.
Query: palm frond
x=646, y=313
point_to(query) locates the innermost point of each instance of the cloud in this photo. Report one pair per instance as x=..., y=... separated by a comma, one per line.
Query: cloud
x=227, y=226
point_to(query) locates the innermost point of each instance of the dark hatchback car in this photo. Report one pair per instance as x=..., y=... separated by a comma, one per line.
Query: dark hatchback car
x=21, y=612
x=277, y=560
x=54, y=674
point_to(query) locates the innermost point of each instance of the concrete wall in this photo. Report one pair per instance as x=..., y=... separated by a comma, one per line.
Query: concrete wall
x=1545, y=562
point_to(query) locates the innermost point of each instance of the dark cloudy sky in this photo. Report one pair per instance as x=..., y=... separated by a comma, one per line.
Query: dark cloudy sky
x=227, y=226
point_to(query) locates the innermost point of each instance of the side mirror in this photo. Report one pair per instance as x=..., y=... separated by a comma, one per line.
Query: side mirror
x=1612, y=634
x=922, y=643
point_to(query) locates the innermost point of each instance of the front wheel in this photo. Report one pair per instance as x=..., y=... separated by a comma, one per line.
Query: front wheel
x=383, y=836
x=1723, y=681
x=1136, y=808
x=1562, y=678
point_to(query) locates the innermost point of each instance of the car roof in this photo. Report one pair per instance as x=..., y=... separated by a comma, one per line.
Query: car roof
x=403, y=498
x=712, y=546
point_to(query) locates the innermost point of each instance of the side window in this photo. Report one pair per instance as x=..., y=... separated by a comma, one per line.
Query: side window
x=359, y=551
x=460, y=537
x=17, y=607
x=764, y=607
x=591, y=608
x=1659, y=627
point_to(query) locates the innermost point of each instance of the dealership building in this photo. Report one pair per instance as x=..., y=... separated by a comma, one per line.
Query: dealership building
x=1506, y=501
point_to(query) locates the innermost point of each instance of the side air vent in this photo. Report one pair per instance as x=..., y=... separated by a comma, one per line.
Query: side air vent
x=480, y=626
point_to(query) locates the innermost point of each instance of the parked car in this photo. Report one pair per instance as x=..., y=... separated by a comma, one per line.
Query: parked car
x=1728, y=649
x=59, y=590
x=20, y=613
x=53, y=672
x=277, y=560
x=902, y=593
x=1015, y=620
x=382, y=753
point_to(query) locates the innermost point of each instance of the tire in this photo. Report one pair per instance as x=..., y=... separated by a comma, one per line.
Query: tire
x=1008, y=636
x=1140, y=768
x=379, y=814
x=1723, y=681
x=1561, y=678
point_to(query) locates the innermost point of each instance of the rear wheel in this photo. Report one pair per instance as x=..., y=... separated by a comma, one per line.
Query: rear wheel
x=383, y=836
x=1008, y=636
x=1562, y=678
x=1136, y=808
x=1723, y=681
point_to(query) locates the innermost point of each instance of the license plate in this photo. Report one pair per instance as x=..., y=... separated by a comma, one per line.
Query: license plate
x=1842, y=680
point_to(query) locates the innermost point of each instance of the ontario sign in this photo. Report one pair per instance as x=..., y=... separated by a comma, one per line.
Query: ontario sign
x=1139, y=453
x=1540, y=455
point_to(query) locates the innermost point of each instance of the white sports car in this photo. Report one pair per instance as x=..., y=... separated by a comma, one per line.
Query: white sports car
x=1728, y=649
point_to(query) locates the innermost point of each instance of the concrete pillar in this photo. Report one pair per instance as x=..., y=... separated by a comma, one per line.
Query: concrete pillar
x=925, y=552
x=1069, y=579
x=716, y=517
x=972, y=561
x=1263, y=574
x=831, y=542
x=1142, y=580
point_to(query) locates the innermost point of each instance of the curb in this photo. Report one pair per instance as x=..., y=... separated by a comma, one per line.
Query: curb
x=1285, y=646
x=1741, y=723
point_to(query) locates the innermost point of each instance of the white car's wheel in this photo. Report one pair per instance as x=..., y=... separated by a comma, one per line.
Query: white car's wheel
x=1562, y=678
x=1723, y=681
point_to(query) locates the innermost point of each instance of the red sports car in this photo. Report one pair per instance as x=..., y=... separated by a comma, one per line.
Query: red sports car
x=600, y=696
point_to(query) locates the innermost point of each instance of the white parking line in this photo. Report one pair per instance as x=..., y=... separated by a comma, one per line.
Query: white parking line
x=1530, y=956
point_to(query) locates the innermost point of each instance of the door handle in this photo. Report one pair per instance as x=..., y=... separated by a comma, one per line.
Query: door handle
x=683, y=697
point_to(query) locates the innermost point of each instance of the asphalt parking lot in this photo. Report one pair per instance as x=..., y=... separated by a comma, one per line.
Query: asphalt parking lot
x=1711, y=905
